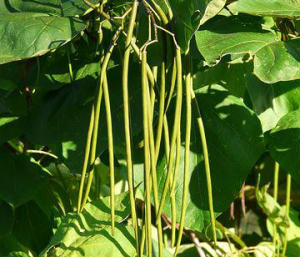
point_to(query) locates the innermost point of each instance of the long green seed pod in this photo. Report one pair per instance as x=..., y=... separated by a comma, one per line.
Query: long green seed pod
x=161, y=13
x=154, y=178
x=97, y=115
x=127, y=118
x=86, y=156
x=207, y=166
x=275, y=196
x=172, y=189
x=90, y=130
x=173, y=83
x=162, y=96
x=167, y=138
x=288, y=204
x=147, y=182
x=111, y=152
x=175, y=130
x=152, y=90
x=143, y=239
x=188, y=126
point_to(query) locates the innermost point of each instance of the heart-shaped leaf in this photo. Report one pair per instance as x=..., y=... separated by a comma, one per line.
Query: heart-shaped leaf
x=274, y=8
x=55, y=7
x=89, y=234
x=235, y=143
x=26, y=35
x=274, y=60
x=65, y=130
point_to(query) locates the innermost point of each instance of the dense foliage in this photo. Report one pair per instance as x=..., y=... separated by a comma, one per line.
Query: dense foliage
x=149, y=128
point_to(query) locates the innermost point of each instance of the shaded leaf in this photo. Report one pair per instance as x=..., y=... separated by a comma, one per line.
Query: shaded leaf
x=32, y=228
x=20, y=178
x=7, y=219
x=293, y=248
x=62, y=119
x=10, y=244
x=284, y=143
x=233, y=77
x=10, y=128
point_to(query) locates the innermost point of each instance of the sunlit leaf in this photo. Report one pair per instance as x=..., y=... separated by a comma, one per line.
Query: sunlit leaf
x=26, y=35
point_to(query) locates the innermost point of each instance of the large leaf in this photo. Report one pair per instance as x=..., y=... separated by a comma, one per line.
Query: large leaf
x=235, y=143
x=25, y=35
x=30, y=218
x=56, y=7
x=293, y=248
x=231, y=76
x=10, y=128
x=190, y=14
x=274, y=60
x=7, y=220
x=20, y=178
x=284, y=143
x=274, y=8
x=272, y=101
x=89, y=234
x=10, y=244
x=62, y=119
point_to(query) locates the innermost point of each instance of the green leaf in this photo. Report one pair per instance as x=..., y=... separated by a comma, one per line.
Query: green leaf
x=274, y=60
x=89, y=233
x=190, y=14
x=293, y=248
x=272, y=101
x=270, y=207
x=55, y=7
x=10, y=244
x=34, y=34
x=32, y=228
x=293, y=230
x=76, y=7
x=264, y=249
x=275, y=8
x=18, y=254
x=190, y=250
x=20, y=178
x=233, y=77
x=235, y=143
x=284, y=143
x=54, y=67
x=10, y=128
x=98, y=243
x=40, y=6
x=7, y=219
x=65, y=130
